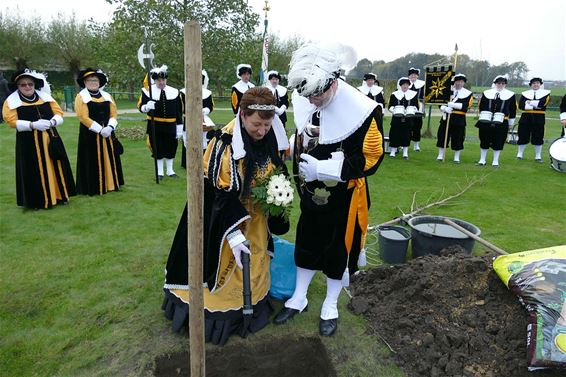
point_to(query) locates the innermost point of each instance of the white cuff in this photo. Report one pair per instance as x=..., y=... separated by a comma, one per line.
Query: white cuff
x=95, y=127
x=511, y=121
x=58, y=119
x=179, y=128
x=329, y=170
x=562, y=116
x=205, y=111
x=283, y=108
x=455, y=105
x=112, y=122
x=23, y=125
x=235, y=238
x=528, y=107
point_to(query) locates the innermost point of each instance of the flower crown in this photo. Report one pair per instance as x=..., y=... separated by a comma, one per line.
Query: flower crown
x=256, y=106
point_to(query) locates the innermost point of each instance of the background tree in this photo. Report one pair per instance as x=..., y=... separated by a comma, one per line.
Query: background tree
x=22, y=41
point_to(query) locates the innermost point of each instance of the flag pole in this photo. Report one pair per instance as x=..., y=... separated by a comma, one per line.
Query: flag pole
x=265, y=49
x=448, y=117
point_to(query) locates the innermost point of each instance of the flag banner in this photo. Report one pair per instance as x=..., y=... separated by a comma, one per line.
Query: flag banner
x=264, y=59
x=438, y=82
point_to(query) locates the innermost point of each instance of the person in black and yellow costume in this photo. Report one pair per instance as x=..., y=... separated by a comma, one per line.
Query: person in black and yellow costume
x=416, y=124
x=207, y=124
x=400, y=131
x=99, y=167
x=246, y=148
x=43, y=173
x=492, y=135
x=337, y=144
x=280, y=94
x=533, y=102
x=244, y=73
x=461, y=100
x=167, y=109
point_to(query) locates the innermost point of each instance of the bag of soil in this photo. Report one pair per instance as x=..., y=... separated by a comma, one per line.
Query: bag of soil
x=538, y=278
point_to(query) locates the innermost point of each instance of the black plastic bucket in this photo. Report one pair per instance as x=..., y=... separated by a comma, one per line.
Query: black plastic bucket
x=393, y=243
x=430, y=234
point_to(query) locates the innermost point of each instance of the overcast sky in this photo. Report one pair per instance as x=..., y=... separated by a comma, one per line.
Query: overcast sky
x=494, y=30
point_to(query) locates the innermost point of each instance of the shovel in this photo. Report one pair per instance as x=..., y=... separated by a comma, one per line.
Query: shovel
x=247, y=310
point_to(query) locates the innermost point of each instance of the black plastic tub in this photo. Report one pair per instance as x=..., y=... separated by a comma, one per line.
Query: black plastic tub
x=393, y=243
x=430, y=234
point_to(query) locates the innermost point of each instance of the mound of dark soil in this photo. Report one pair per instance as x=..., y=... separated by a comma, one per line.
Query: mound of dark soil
x=446, y=315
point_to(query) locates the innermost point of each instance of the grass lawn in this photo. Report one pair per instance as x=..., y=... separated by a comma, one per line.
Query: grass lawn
x=82, y=284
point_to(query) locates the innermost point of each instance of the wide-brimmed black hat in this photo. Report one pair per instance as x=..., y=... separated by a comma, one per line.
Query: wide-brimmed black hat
x=159, y=73
x=272, y=74
x=37, y=79
x=243, y=68
x=414, y=70
x=460, y=76
x=403, y=80
x=92, y=72
x=500, y=78
x=370, y=75
x=535, y=79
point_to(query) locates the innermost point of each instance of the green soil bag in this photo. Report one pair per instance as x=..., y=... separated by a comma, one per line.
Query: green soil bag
x=538, y=278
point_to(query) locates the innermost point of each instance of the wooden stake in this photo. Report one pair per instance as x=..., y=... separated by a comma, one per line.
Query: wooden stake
x=477, y=238
x=193, y=125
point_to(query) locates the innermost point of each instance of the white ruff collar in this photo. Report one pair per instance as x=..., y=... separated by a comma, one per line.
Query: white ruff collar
x=528, y=94
x=281, y=90
x=417, y=84
x=85, y=95
x=238, y=143
x=505, y=94
x=242, y=87
x=14, y=100
x=409, y=94
x=170, y=92
x=462, y=93
x=347, y=111
x=374, y=90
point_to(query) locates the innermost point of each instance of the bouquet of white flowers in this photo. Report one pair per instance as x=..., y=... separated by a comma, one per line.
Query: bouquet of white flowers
x=274, y=194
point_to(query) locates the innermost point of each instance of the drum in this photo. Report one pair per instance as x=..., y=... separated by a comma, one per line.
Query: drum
x=410, y=111
x=557, y=153
x=485, y=116
x=386, y=145
x=399, y=111
x=498, y=118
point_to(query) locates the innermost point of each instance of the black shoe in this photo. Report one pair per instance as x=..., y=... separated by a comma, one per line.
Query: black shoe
x=159, y=178
x=328, y=327
x=173, y=175
x=480, y=163
x=286, y=314
x=539, y=160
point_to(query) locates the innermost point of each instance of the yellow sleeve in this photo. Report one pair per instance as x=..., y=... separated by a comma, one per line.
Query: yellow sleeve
x=56, y=108
x=113, y=109
x=81, y=109
x=373, y=146
x=10, y=115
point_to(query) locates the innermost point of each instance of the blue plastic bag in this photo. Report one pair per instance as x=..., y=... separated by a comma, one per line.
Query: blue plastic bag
x=283, y=270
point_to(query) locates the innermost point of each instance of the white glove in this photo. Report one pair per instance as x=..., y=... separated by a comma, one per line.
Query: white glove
x=362, y=262
x=179, y=131
x=534, y=103
x=56, y=120
x=528, y=106
x=279, y=110
x=150, y=105
x=95, y=127
x=185, y=139
x=455, y=105
x=511, y=122
x=307, y=167
x=106, y=131
x=391, y=109
x=443, y=108
x=448, y=109
x=205, y=111
x=236, y=241
x=41, y=125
